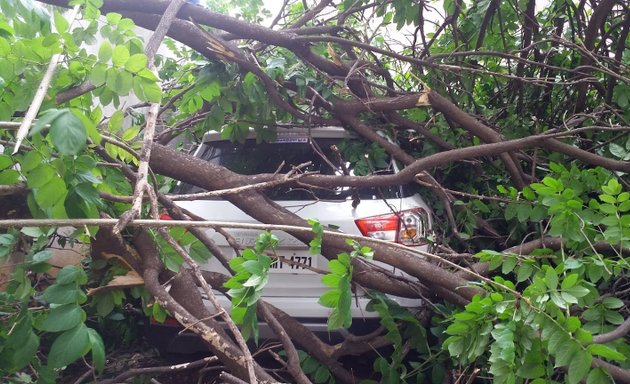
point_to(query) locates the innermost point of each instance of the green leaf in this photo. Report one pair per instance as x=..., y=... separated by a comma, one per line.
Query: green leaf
x=71, y=274
x=567, y=353
x=85, y=163
x=136, y=63
x=556, y=340
x=455, y=346
x=9, y=176
x=147, y=74
x=22, y=356
x=579, y=367
x=524, y=272
x=52, y=193
x=215, y=120
x=210, y=91
x=69, y=346
x=608, y=199
x=98, y=350
x=612, y=188
x=115, y=122
x=147, y=90
x=572, y=323
x=310, y=365
x=33, y=232
x=104, y=304
x=551, y=278
x=42, y=256
x=598, y=376
x=337, y=267
x=61, y=24
x=578, y=291
x=20, y=347
x=606, y=352
x=321, y=375
x=120, y=82
x=553, y=183
x=5, y=48
x=120, y=55
x=68, y=134
x=523, y=211
x=337, y=320
x=508, y=264
x=113, y=18
x=31, y=160
x=105, y=52
x=572, y=264
x=126, y=24
x=64, y=317
x=158, y=313
x=40, y=176
x=583, y=336
x=255, y=280
x=612, y=303
x=569, y=281
x=98, y=75
x=330, y=299
x=63, y=294
x=331, y=280
x=44, y=119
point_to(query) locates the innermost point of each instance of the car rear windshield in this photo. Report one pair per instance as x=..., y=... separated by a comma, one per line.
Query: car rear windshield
x=324, y=156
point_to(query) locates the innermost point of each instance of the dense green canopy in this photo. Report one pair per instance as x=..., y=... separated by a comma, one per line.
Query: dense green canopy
x=510, y=117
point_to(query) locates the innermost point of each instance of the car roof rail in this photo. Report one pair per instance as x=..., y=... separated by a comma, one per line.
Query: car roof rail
x=291, y=134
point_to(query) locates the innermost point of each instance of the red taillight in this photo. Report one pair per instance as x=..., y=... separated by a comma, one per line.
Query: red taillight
x=383, y=227
x=405, y=227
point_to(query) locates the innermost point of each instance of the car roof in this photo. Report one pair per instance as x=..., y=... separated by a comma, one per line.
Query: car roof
x=291, y=134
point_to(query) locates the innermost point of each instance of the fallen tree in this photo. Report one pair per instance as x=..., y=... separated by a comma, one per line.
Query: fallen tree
x=514, y=129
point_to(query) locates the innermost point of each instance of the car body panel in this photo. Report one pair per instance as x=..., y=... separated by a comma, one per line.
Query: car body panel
x=296, y=291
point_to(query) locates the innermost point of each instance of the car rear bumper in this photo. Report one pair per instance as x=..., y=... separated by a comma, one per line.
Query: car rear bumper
x=169, y=338
x=309, y=307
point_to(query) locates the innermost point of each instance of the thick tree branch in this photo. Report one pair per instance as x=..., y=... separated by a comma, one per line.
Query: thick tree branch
x=617, y=333
x=259, y=207
x=487, y=18
x=474, y=126
x=227, y=352
x=600, y=13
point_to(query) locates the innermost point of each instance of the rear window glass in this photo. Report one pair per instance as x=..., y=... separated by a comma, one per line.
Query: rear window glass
x=250, y=158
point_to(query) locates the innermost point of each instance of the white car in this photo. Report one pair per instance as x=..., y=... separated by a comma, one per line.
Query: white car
x=384, y=213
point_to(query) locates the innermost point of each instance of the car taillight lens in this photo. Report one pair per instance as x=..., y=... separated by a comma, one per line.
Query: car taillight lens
x=405, y=227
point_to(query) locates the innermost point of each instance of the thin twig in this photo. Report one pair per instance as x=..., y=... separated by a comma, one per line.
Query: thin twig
x=161, y=369
x=227, y=378
x=292, y=356
x=237, y=190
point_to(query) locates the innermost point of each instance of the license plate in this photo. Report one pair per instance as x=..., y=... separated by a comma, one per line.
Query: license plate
x=293, y=264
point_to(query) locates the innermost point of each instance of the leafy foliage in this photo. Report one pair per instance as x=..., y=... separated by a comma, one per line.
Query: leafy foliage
x=339, y=298
x=531, y=314
x=518, y=70
x=246, y=286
